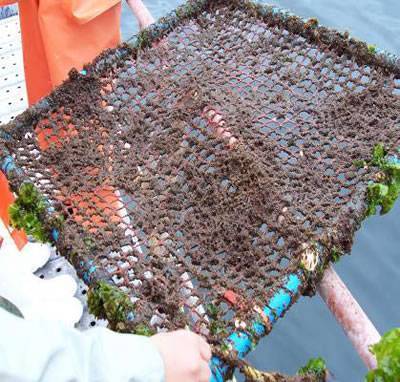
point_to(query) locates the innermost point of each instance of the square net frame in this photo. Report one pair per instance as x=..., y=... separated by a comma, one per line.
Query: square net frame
x=204, y=174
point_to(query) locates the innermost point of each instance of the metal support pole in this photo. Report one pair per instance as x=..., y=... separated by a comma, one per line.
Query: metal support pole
x=349, y=314
x=141, y=13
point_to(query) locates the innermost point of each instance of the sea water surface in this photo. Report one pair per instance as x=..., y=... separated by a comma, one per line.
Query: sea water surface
x=372, y=272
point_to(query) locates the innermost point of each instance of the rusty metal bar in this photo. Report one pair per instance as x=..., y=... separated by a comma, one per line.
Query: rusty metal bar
x=141, y=13
x=349, y=314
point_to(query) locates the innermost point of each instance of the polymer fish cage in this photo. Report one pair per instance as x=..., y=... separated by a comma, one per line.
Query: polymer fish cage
x=204, y=174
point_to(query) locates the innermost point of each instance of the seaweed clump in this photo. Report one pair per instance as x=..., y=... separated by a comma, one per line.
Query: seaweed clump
x=27, y=211
x=110, y=303
x=385, y=191
x=315, y=367
x=387, y=352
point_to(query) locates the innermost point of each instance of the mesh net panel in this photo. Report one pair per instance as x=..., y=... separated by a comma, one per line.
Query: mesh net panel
x=195, y=173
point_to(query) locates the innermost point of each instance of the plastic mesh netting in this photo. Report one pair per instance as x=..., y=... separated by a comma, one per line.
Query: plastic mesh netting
x=196, y=173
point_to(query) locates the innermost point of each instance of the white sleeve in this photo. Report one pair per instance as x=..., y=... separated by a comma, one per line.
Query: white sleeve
x=33, y=351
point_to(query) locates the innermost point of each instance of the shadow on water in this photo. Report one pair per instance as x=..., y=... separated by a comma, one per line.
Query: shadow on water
x=372, y=272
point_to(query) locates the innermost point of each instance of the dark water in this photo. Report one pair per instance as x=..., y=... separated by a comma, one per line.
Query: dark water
x=372, y=273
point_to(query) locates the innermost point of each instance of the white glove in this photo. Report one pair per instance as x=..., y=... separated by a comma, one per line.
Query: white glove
x=50, y=300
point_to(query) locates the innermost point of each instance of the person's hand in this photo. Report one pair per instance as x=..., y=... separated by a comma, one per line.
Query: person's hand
x=186, y=356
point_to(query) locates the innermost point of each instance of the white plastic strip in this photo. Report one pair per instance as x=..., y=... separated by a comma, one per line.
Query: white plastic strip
x=13, y=97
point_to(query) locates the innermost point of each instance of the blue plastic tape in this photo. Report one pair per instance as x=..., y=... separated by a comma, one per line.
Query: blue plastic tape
x=8, y=164
x=242, y=342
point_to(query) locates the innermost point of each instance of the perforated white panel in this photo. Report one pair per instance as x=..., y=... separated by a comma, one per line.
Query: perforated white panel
x=13, y=98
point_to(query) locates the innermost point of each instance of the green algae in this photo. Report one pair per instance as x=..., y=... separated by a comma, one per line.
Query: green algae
x=27, y=212
x=212, y=311
x=315, y=367
x=336, y=254
x=387, y=352
x=108, y=302
x=372, y=49
x=217, y=328
x=384, y=192
x=216, y=325
x=359, y=163
x=143, y=330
